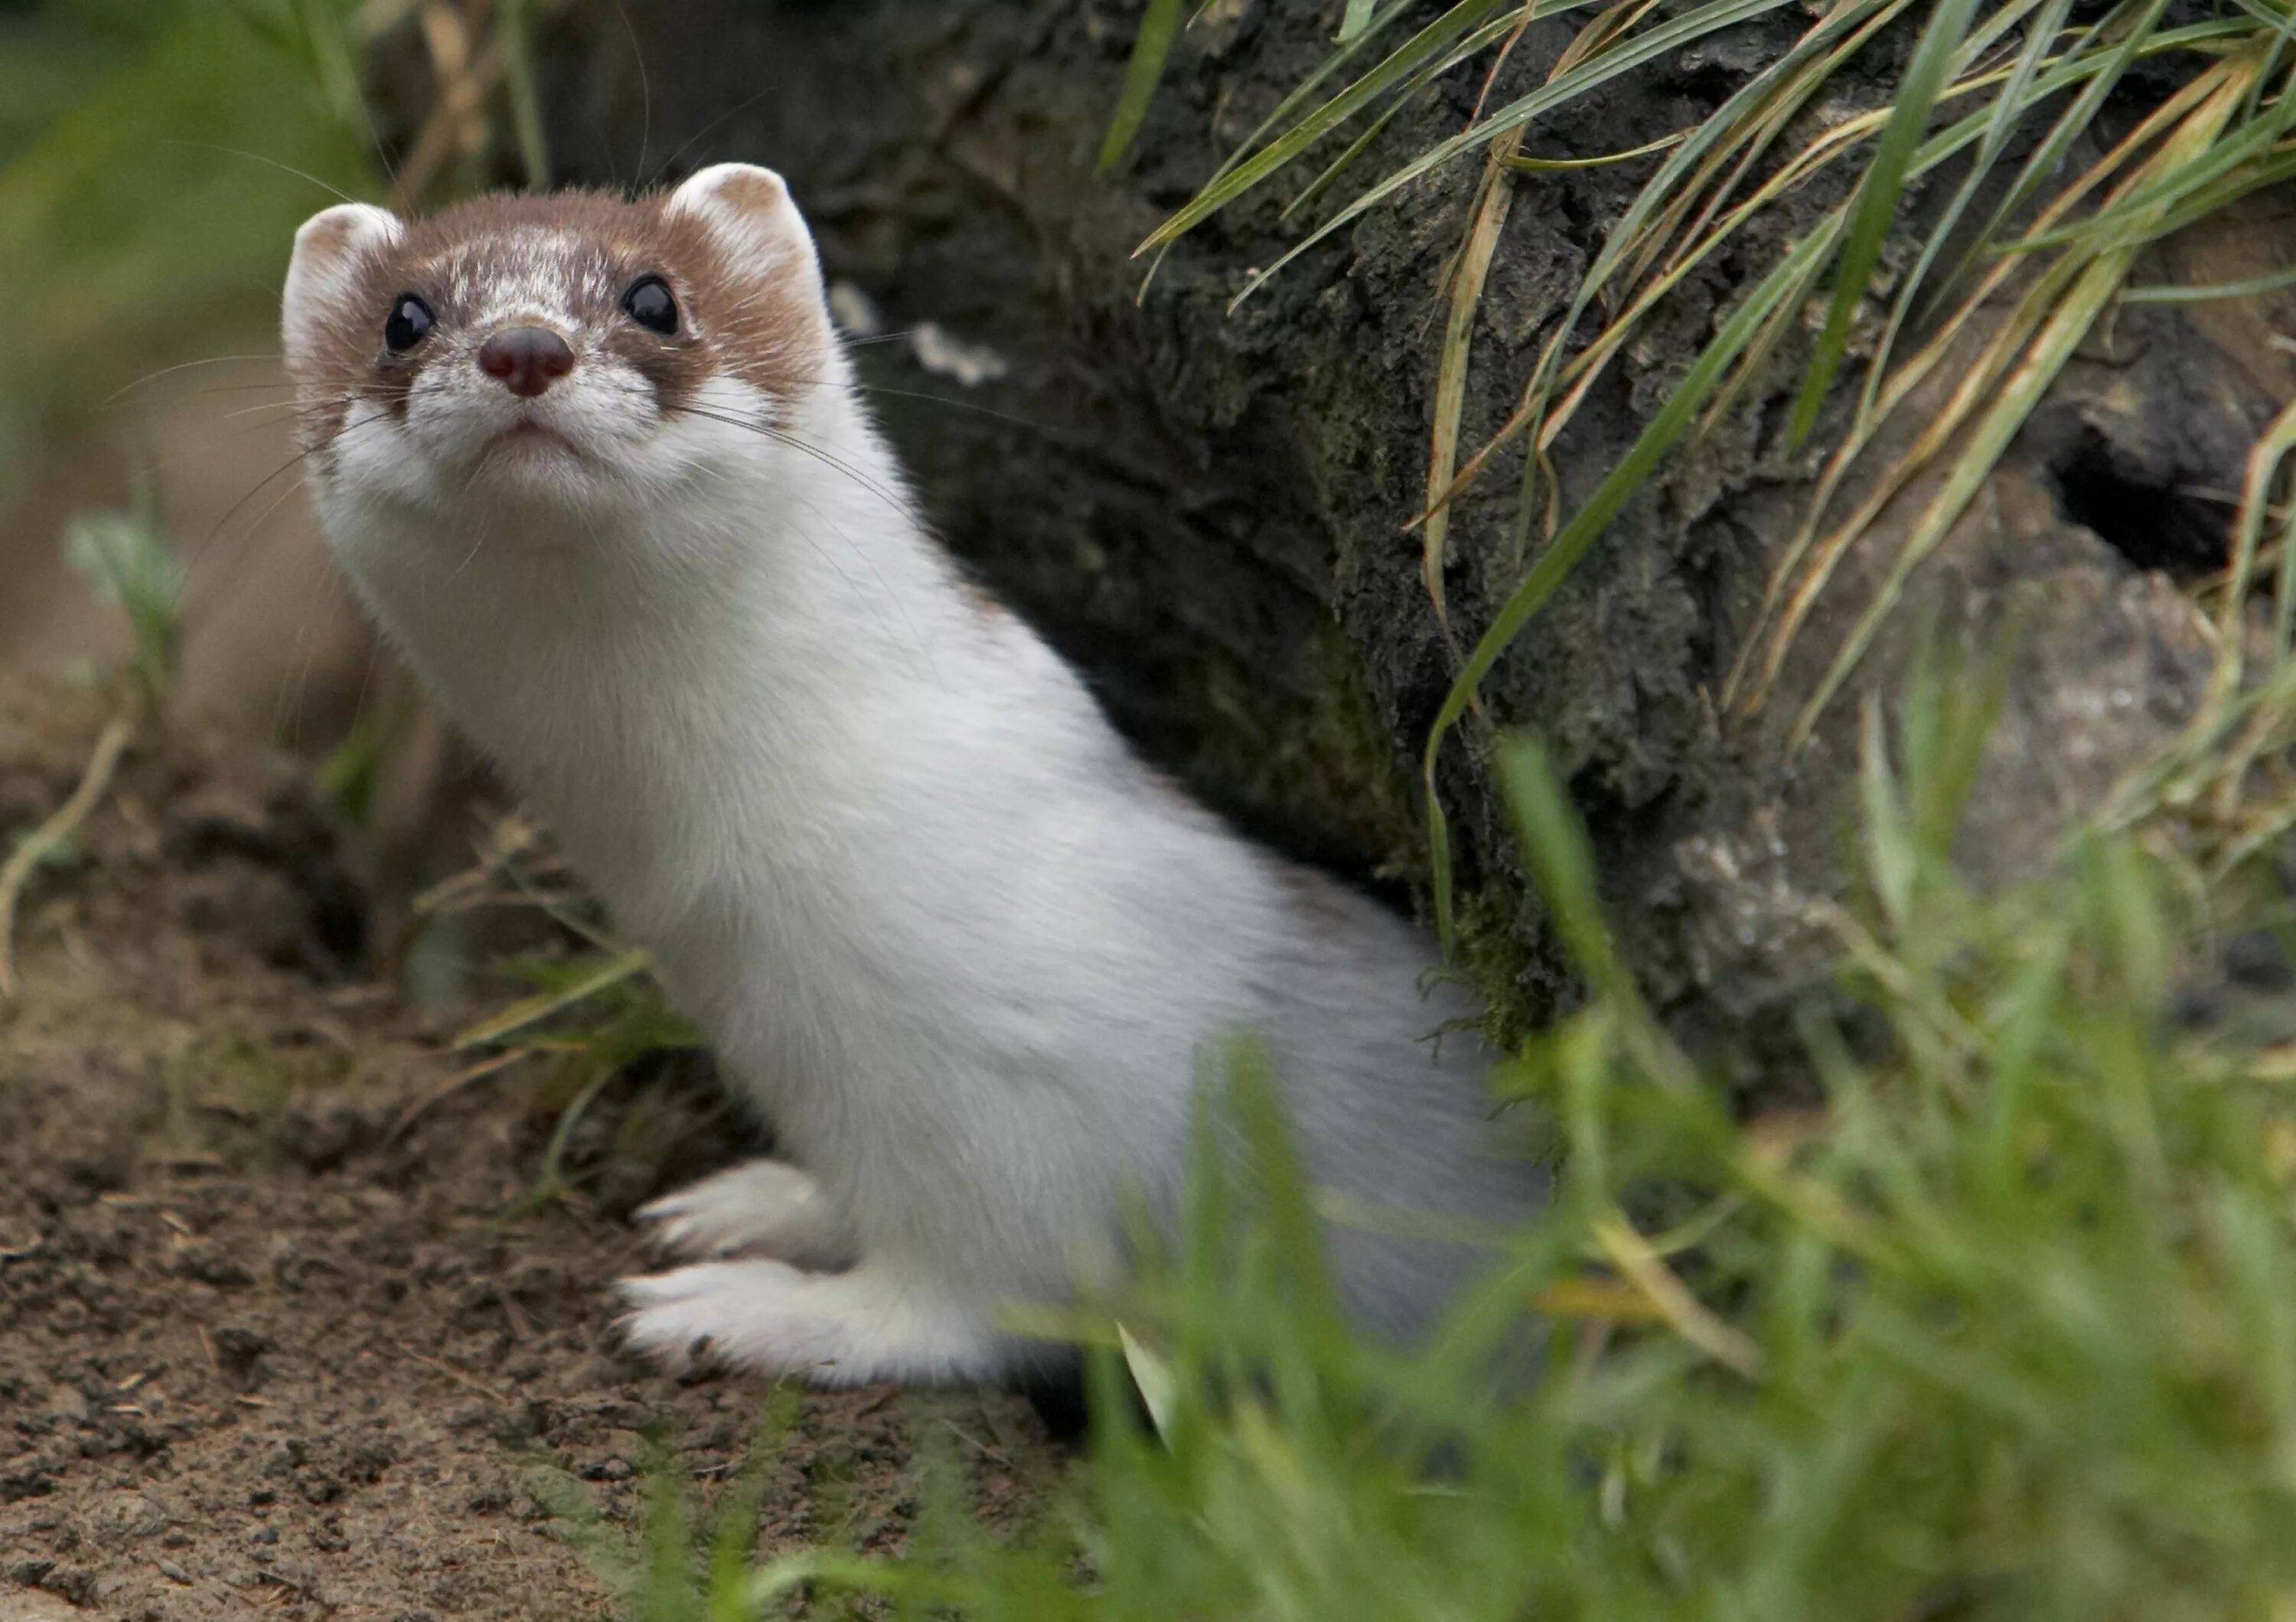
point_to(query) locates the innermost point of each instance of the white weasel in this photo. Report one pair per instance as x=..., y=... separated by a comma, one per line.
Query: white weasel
x=600, y=469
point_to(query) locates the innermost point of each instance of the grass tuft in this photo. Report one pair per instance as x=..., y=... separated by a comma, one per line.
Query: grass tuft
x=672, y=1565
x=2052, y=242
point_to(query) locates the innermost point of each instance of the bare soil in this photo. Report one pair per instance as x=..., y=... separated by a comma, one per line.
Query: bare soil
x=263, y=1354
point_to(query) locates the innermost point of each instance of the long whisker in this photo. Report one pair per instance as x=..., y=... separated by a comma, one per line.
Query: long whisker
x=287, y=169
x=366, y=681
x=198, y=586
x=281, y=386
x=942, y=399
x=905, y=636
x=287, y=711
x=150, y=377
x=189, y=395
x=292, y=462
x=463, y=503
x=645, y=91
x=296, y=408
x=685, y=147
x=209, y=443
x=197, y=555
x=781, y=436
x=374, y=138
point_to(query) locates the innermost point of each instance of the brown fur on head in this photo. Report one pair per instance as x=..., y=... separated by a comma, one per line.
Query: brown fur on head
x=728, y=243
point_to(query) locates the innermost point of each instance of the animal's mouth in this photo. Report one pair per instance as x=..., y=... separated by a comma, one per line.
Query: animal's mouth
x=526, y=437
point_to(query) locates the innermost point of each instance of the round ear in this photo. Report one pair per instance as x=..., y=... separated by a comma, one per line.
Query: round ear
x=749, y=212
x=329, y=251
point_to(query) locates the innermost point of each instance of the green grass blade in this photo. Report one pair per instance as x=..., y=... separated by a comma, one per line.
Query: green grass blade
x=1356, y=20
x=1497, y=29
x=1406, y=60
x=2283, y=26
x=1596, y=70
x=321, y=28
x=1158, y=29
x=2048, y=158
x=2264, y=172
x=1555, y=844
x=1902, y=380
x=1304, y=91
x=1835, y=35
x=1301, y=94
x=1742, y=130
x=517, y=29
x=2011, y=103
x=530, y=1011
x=1542, y=166
x=2138, y=211
x=1878, y=194
x=1586, y=525
x=1974, y=462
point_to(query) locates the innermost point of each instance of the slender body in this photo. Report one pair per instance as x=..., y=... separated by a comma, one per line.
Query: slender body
x=600, y=470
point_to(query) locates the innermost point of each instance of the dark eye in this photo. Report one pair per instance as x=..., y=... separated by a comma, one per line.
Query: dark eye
x=409, y=325
x=649, y=305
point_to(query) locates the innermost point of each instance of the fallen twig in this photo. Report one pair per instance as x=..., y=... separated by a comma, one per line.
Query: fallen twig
x=453, y=1084
x=46, y=839
x=447, y=1368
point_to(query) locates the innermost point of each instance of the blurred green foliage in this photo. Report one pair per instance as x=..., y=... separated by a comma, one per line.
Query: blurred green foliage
x=155, y=159
x=126, y=558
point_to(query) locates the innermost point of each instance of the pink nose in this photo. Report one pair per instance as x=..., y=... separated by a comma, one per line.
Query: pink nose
x=525, y=360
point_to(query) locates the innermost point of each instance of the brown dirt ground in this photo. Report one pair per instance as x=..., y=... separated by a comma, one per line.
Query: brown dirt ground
x=260, y=1357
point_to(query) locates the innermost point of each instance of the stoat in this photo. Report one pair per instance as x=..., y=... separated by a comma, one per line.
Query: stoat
x=600, y=469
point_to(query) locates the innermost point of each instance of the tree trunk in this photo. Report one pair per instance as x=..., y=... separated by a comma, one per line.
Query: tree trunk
x=1206, y=510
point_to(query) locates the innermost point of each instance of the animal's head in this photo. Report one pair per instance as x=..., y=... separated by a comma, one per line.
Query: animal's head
x=576, y=350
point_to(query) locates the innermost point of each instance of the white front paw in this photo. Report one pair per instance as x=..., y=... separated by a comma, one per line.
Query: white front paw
x=761, y=1207
x=833, y=1329
x=747, y=1315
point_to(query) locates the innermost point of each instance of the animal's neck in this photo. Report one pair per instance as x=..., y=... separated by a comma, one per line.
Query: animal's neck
x=694, y=690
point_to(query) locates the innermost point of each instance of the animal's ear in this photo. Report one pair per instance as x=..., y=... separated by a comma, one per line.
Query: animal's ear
x=329, y=249
x=749, y=212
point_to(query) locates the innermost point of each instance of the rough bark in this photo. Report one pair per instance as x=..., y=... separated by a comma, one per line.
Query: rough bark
x=1205, y=509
